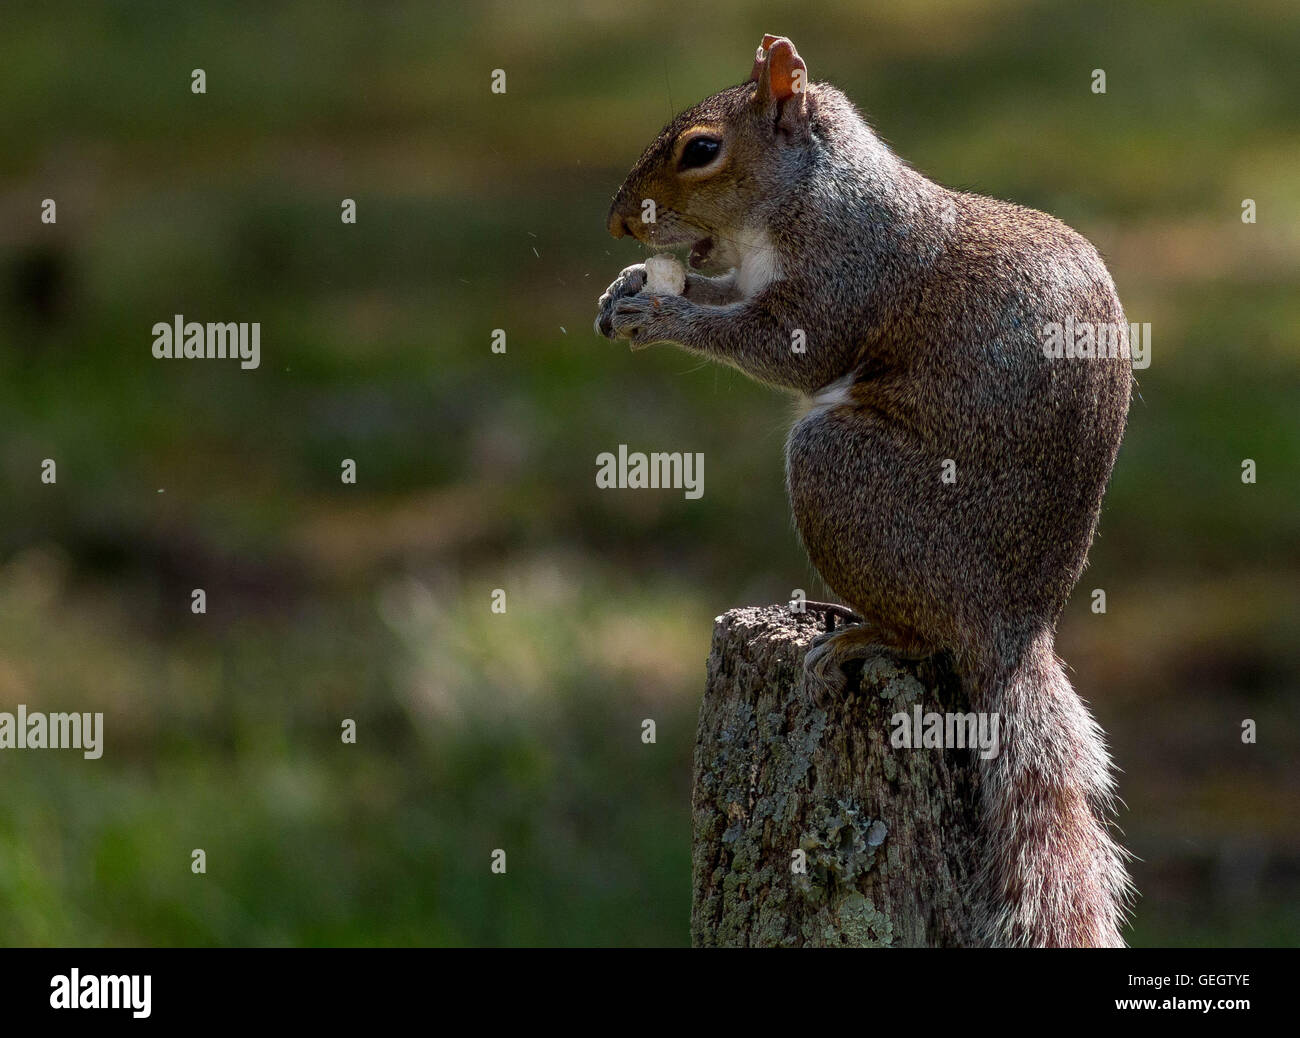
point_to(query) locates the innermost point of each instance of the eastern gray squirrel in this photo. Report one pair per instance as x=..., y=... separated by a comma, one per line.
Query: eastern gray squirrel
x=947, y=478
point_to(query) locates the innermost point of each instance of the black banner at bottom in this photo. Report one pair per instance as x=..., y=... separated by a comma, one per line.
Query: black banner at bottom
x=89, y=988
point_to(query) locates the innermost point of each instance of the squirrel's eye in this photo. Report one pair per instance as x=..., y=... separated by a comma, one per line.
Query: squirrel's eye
x=700, y=152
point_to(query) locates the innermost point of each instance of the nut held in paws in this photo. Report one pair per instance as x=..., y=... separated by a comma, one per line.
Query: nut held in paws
x=664, y=276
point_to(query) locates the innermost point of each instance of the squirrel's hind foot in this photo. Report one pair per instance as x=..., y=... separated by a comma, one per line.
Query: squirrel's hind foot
x=824, y=664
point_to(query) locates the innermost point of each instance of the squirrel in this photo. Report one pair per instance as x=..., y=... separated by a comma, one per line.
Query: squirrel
x=947, y=477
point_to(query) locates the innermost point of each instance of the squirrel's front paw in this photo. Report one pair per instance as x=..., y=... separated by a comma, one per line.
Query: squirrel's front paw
x=648, y=319
x=629, y=282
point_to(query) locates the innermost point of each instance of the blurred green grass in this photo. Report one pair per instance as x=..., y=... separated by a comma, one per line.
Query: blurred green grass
x=481, y=211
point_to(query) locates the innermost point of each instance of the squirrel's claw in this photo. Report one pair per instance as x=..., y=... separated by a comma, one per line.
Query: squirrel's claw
x=629, y=282
x=630, y=317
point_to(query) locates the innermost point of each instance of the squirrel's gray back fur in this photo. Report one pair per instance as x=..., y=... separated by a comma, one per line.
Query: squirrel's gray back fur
x=924, y=311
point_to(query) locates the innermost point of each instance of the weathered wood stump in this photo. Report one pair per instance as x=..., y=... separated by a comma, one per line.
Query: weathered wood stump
x=888, y=834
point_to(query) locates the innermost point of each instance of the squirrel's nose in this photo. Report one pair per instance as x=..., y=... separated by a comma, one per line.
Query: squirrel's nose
x=618, y=225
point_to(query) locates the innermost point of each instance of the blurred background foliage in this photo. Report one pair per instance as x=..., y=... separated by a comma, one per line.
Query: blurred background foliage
x=476, y=471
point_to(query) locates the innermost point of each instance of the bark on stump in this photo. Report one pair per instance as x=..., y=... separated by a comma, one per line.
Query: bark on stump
x=889, y=834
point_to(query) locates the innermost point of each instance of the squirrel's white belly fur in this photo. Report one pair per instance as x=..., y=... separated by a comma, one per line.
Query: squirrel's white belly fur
x=832, y=395
x=759, y=265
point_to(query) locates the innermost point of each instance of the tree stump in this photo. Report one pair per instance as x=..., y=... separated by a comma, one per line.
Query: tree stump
x=889, y=835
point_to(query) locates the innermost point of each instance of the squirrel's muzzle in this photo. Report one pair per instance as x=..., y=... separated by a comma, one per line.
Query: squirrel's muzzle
x=624, y=212
x=618, y=224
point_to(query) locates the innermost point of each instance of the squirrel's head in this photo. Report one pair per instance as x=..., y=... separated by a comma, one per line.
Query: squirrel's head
x=715, y=166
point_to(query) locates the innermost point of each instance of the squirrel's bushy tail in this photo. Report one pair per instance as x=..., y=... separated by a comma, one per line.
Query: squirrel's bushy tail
x=1052, y=875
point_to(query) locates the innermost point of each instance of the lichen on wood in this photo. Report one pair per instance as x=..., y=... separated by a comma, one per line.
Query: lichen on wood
x=888, y=835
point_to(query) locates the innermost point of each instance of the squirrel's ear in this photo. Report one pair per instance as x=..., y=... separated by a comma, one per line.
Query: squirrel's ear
x=760, y=59
x=780, y=73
